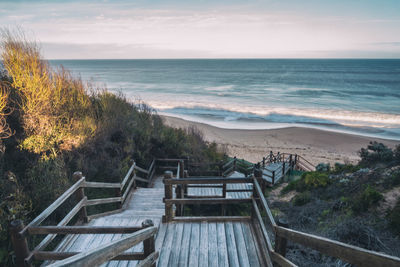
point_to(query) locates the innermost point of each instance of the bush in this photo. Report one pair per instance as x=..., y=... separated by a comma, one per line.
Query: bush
x=316, y=179
x=323, y=167
x=302, y=199
x=345, y=168
x=368, y=198
x=375, y=153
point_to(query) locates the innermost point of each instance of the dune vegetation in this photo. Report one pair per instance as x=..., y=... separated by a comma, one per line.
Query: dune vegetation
x=52, y=123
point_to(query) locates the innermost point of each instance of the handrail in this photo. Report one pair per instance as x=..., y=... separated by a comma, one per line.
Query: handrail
x=57, y=203
x=101, y=254
x=352, y=254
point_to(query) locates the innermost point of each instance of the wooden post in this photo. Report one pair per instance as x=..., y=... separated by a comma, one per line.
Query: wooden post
x=280, y=242
x=234, y=163
x=80, y=194
x=273, y=177
x=263, y=161
x=283, y=169
x=182, y=168
x=271, y=156
x=20, y=243
x=168, y=195
x=223, y=207
x=148, y=244
x=185, y=189
x=291, y=162
x=178, y=194
x=295, y=160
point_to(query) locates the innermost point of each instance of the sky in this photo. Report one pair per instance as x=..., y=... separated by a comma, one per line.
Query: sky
x=124, y=29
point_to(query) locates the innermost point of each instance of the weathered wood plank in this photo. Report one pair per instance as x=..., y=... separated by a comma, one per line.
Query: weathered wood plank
x=209, y=201
x=231, y=245
x=264, y=203
x=210, y=180
x=51, y=255
x=250, y=245
x=42, y=230
x=240, y=245
x=211, y=218
x=101, y=185
x=263, y=229
x=185, y=248
x=149, y=261
x=42, y=216
x=128, y=174
x=203, y=253
x=212, y=244
x=222, y=249
x=141, y=169
x=281, y=261
x=177, y=245
x=167, y=245
x=194, y=245
x=349, y=253
x=93, y=202
x=42, y=245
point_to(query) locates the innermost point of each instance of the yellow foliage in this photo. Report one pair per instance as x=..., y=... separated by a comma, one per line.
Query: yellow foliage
x=5, y=130
x=53, y=102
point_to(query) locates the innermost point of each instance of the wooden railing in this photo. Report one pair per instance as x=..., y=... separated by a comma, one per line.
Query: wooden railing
x=272, y=236
x=281, y=232
x=20, y=233
x=114, y=250
x=239, y=165
x=182, y=199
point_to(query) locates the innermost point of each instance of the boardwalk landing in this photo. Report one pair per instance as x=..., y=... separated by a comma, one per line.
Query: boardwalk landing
x=179, y=243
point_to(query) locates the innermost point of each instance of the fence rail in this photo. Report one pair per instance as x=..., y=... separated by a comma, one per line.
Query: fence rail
x=20, y=233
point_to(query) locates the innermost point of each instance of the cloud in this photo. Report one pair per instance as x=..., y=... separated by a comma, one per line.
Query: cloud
x=117, y=28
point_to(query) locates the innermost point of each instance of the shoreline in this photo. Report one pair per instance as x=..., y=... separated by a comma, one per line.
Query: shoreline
x=314, y=144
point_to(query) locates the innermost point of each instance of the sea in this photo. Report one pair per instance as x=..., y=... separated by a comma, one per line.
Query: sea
x=358, y=96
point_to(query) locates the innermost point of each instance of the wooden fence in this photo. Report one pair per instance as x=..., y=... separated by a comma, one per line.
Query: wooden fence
x=264, y=224
x=20, y=233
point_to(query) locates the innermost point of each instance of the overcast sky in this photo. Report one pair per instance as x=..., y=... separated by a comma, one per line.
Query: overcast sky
x=209, y=28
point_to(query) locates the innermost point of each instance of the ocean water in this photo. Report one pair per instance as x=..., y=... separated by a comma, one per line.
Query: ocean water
x=360, y=96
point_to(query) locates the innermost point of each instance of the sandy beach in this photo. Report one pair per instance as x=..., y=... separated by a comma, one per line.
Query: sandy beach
x=313, y=144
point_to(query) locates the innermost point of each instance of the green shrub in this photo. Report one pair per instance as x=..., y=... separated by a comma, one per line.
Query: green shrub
x=394, y=218
x=369, y=197
x=345, y=168
x=375, y=153
x=316, y=179
x=302, y=199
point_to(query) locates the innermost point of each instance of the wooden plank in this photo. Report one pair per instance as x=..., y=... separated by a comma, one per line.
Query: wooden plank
x=42, y=245
x=149, y=261
x=103, y=214
x=185, y=248
x=211, y=218
x=141, y=169
x=263, y=229
x=177, y=245
x=264, y=203
x=127, y=190
x=212, y=244
x=42, y=216
x=203, y=253
x=240, y=245
x=51, y=255
x=231, y=245
x=101, y=185
x=128, y=174
x=222, y=249
x=141, y=179
x=250, y=245
x=99, y=201
x=209, y=180
x=210, y=201
x=194, y=245
x=167, y=245
x=348, y=253
x=96, y=256
x=43, y=230
x=281, y=261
